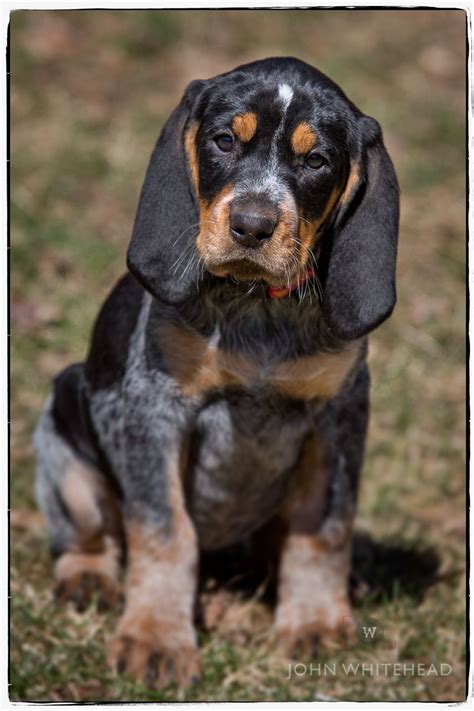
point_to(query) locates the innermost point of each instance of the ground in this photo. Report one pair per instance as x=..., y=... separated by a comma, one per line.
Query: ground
x=89, y=93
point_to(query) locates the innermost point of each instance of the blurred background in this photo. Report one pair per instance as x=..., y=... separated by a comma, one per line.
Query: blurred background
x=89, y=93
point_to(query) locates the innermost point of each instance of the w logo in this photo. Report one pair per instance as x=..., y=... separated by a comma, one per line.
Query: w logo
x=369, y=631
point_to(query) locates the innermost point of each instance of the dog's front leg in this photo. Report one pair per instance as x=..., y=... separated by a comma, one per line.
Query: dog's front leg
x=155, y=640
x=313, y=597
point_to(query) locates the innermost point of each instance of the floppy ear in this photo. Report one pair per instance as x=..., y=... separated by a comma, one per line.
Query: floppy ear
x=163, y=233
x=360, y=284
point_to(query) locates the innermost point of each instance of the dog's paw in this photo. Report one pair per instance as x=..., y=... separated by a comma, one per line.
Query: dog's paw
x=306, y=640
x=154, y=654
x=83, y=587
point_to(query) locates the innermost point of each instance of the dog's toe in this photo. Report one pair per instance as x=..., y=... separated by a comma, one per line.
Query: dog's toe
x=306, y=640
x=82, y=588
x=155, y=664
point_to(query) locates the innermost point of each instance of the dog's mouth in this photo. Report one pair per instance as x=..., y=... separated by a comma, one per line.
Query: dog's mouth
x=251, y=238
x=248, y=270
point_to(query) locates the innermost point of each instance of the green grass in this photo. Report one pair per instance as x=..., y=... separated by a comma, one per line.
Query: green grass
x=62, y=652
x=89, y=93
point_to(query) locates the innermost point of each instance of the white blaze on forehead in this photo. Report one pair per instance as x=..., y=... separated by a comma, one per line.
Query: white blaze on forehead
x=285, y=92
x=269, y=182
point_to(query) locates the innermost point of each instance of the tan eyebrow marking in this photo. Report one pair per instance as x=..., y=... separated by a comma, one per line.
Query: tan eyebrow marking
x=303, y=138
x=244, y=126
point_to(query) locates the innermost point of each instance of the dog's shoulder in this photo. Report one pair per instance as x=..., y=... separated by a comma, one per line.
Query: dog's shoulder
x=107, y=358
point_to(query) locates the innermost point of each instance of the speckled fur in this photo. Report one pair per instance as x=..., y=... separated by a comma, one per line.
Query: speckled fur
x=223, y=461
x=238, y=471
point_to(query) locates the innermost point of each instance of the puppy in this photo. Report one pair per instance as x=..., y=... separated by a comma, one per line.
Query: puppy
x=225, y=393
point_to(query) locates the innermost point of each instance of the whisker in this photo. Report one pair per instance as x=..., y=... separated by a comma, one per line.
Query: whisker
x=191, y=261
x=199, y=272
x=307, y=248
x=314, y=261
x=309, y=290
x=295, y=212
x=183, y=254
x=189, y=227
x=253, y=285
x=320, y=288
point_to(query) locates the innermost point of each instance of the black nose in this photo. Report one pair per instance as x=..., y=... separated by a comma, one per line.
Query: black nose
x=250, y=227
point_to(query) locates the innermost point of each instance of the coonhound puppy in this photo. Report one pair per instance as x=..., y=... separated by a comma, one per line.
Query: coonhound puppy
x=225, y=393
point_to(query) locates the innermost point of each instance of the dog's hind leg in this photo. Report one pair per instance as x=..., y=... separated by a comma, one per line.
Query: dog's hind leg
x=83, y=518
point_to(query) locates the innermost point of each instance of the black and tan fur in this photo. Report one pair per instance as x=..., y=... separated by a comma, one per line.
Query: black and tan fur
x=207, y=411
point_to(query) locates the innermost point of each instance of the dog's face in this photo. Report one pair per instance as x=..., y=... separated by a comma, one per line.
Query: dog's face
x=269, y=165
x=256, y=172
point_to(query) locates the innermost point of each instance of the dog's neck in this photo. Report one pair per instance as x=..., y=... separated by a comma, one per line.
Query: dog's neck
x=244, y=317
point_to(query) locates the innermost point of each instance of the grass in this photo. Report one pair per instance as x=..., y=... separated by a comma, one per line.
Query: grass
x=89, y=92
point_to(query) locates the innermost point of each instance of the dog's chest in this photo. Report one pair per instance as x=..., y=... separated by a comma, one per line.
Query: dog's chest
x=244, y=452
x=200, y=366
x=251, y=411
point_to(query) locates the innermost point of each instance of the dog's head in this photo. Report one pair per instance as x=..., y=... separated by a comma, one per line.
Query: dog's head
x=254, y=172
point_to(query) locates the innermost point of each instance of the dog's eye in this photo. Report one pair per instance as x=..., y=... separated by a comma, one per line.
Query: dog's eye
x=315, y=160
x=225, y=142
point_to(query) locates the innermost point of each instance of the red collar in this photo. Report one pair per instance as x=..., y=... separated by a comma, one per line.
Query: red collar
x=279, y=292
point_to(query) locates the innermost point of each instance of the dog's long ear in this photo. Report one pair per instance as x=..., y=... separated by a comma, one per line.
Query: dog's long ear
x=360, y=284
x=166, y=222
